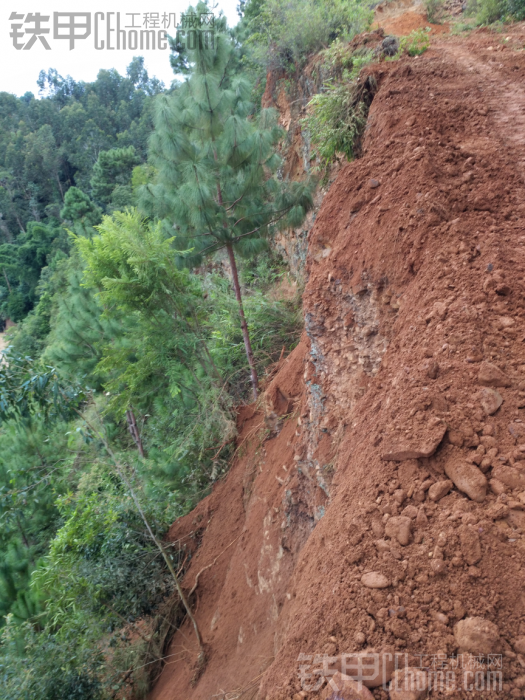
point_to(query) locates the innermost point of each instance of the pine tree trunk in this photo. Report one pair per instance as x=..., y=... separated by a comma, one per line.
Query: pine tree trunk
x=244, y=325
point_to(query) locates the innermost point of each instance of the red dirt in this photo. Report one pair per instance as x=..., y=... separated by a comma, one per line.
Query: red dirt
x=413, y=284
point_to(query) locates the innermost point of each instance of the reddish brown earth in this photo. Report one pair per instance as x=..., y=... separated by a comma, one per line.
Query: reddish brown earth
x=411, y=372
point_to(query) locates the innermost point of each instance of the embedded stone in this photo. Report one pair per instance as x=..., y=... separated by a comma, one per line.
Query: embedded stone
x=490, y=375
x=509, y=476
x=408, y=684
x=416, y=449
x=399, y=528
x=371, y=668
x=468, y=479
x=374, y=579
x=470, y=544
x=342, y=687
x=519, y=645
x=440, y=489
x=491, y=400
x=477, y=636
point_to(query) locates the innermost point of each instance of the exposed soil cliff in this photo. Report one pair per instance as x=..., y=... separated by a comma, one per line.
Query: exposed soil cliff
x=377, y=498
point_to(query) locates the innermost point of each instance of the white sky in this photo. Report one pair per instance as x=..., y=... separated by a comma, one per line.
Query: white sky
x=21, y=68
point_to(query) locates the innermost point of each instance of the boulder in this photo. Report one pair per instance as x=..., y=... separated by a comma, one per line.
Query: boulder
x=476, y=635
x=467, y=478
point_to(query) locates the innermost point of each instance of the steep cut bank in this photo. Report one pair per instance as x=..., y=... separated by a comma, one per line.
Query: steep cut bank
x=394, y=436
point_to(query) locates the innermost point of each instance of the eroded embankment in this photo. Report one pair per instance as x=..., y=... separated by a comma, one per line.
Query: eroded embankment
x=415, y=335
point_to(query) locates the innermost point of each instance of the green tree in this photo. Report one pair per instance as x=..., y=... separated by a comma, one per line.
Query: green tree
x=216, y=185
x=112, y=175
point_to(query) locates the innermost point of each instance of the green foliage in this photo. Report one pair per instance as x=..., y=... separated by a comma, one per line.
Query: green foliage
x=415, y=44
x=214, y=161
x=491, y=11
x=284, y=34
x=433, y=9
x=337, y=116
x=114, y=303
x=111, y=178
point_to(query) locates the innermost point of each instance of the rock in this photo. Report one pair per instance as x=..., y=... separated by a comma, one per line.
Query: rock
x=491, y=400
x=517, y=430
x=377, y=528
x=408, y=684
x=421, y=519
x=519, y=645
x=382, y=546
x=400, y=629
x=477, y=636
x=372, y=183
x=374, y=579
x=341, y=687
x=490, y=375
x=399, y=496
x=438, y=567
x=439, y=617
x=509, y=476
x=416, y=449
x=359, y=638
x=390, y=45
x=497, y=487
x=459, y=610
x=431, y=369
x=410, y=512
x=439, y=489
x=504, y=290
x=516, y=518
x=467, y=478
x=519, y=682
x=455, y=438
x=372, y=668
x=497, y=511
x=470, y=544
x=399, y=527
x=475, y=355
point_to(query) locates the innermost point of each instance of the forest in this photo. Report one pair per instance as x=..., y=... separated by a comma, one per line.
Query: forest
x=136, y=227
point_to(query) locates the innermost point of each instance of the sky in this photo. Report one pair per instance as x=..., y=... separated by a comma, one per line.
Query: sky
x=21, y=67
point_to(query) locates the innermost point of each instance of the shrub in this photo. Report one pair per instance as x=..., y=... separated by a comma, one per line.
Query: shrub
x=433, y=9
x=285, y=33
x=416, y=43
x=337, y=116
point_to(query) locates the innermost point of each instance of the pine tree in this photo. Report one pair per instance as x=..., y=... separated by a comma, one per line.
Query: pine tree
x=216, y=183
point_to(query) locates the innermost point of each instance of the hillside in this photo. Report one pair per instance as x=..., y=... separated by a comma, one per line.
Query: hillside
x=392, y=439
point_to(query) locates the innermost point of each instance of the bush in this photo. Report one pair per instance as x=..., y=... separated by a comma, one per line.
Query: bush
x=433, y=9
x=416, y=43
x=286, y=33
x=337, y=116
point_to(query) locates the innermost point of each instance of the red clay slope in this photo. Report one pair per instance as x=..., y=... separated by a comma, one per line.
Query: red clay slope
x=414, y=317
